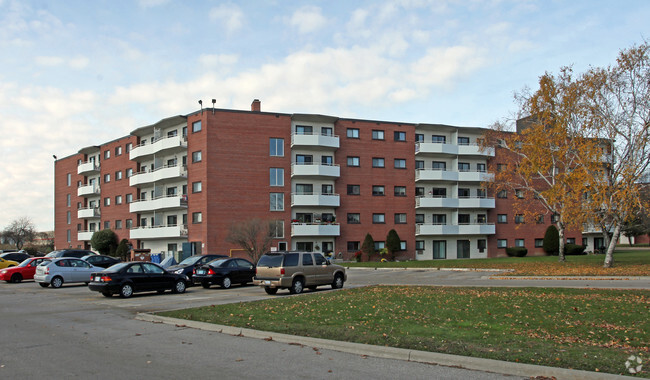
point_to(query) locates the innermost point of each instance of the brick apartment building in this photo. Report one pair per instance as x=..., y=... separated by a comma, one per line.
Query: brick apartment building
x=176, y=187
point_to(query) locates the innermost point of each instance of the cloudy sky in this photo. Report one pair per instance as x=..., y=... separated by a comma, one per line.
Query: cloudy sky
x=78, y=73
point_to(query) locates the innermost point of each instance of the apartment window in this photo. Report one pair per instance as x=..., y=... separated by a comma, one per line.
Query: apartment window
x=107, y=178
x=304, y=159
x=68, y=217
x=196, y=156
x=354, y=189
x=278, y=229
x=419, y=191
x=327, y=160
x=377, y=134
x=107, y=225
x=118, y=199
x=378, y=218
x=555, y=218
x=304, y=129
x=419, y=245
x=480, y=168
x=197, y=217
x=327, y=131
x=419, y=218
x=304, y=188
x=118, y=151
x=196, y=126
x=69, y=179
x=276, y=147
x=439, y=165
x=400, y=218
x=502, y=194
x=107, y=154
x=354, y=218
x=353, y=133
x=439, y=249
x=481, y=193
x=502, y=167
x=353, y=246
x=570, y=240
x=118, y=175
x=519, y=193
x=107, y=201
x=353, y=161
x=171, y=191
x=327, y=189
x=519, y=219
x=502, y=218
x=129, y=198
x=277, y=201
x=463, y=166
x=400, y=163
x=197, y=187
x=419, y=164
x=400, y=191
x=519, y=243
x=68, y=200
x=463, y=141
x=377, y=162
x=276, y=177
x=68, y=235
x=463, y=218
x=129, y=173
x=502, y=243
x=419, y=137
x=481, y=244
x=439, y=219
x=378, y=190
x=399, y=136
x=438, y=139
x=539, y=243
x=463, y=193
x=380, y=245
x=118, y=224
x=539, y=219
x=128, y=147
x=402, y=245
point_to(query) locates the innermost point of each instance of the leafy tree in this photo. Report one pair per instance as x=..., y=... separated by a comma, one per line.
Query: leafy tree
x=368, y=246
x=122, y=250
x=551, y=243
x=20, y=231
x=104, y=241
x=253, y=235
x=393, y=243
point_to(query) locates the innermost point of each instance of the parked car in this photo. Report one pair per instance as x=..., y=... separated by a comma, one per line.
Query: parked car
x=101, y=260
x=58, y=271
x=128, y=278
x=187, y=266
x=17, y=256
x=77, y=253
x=7, y=263
x=296, y=271
x=224, y=272
x=23, y=271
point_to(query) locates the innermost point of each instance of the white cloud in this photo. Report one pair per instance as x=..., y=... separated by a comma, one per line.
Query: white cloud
x=77, y=63
x=308, y=19
x=229, y=16
x=218, y=60
x=151, y=3
x=49, y=61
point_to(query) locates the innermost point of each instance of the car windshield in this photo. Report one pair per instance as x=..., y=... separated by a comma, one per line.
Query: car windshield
x=190, y=260
x=270, y=261
x=25, y=263
x=217, y=263
x=52, y=254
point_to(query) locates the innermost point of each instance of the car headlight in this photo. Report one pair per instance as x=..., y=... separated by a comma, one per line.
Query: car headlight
x=178, y=271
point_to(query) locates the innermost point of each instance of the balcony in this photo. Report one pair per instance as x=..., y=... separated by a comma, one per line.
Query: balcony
x=452, y=176
x=453, y=149
x=169, y=202
x=437, y=202
x=88, y=190
x=159, y=232
x=88, y=213
x=455, y=229
x=315, y=229
x=315, y=140
x=315, y=170
x=161, y=174
x=85, y=235
x=323, y=200
x=86, y=168
x=164, y=145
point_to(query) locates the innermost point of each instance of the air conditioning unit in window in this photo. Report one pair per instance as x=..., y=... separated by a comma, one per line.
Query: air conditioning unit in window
x=419, y=252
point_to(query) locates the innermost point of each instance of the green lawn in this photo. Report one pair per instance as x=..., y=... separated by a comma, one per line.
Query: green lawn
x=626, y=263
x=594, y=330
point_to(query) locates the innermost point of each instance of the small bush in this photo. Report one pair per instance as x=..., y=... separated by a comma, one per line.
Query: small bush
x=574, y=249
x=516, y=251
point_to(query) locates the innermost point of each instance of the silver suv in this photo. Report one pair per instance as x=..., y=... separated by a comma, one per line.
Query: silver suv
x=296, y=271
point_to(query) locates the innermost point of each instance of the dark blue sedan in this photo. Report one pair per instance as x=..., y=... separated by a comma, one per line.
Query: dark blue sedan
x=224, y=272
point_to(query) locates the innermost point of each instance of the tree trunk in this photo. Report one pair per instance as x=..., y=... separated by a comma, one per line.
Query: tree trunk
x=560, y=254
x=609, y=256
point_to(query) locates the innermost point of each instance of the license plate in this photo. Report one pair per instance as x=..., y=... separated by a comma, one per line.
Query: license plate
x=200, y=271
x=266, y=282
x=98, y=278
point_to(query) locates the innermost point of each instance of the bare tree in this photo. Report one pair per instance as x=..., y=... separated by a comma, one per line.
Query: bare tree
x=20, y=231
x=253, y=235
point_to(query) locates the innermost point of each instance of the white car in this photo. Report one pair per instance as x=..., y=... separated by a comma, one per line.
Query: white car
x=56, y=272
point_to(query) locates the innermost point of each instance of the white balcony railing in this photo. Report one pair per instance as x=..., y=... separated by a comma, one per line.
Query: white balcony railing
x=324, y=200
x=315, y=170
x=453, y=149
x=159, y=232
x=315, y=140
x=88, y=190
x=315, y=229
x=161, y=203
x=452, y=176
x=87, y=167
x=85, y=235
x=455, y=229
x=437, y=202
x=162, y=145
x=88, y=213
x=167, y=172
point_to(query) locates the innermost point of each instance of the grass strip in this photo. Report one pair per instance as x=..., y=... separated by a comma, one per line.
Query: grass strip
x=587, y=329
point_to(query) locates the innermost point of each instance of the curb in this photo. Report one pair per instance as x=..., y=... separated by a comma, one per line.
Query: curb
x=435, y=269
x=477, y=364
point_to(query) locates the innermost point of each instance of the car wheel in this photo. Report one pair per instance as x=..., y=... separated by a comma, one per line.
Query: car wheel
x=270, y=290
x=179, y=287
x=107, y=294
x=297, y=287
x=205, y=285
x=56, y=282
x=126, y=291
x=226, y=283
x=16, y=278
x=44, y=284
x=338, y=282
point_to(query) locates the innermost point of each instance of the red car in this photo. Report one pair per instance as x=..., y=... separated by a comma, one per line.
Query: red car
x=23, y=271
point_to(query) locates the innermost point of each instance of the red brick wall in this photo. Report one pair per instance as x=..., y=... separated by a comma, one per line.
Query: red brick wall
x=62, y=168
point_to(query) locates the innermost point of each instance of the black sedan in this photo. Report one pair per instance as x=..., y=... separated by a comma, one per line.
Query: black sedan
x=188, y=265
x=225, y=272
x=101, y=260
x=18, y=257
x=128, y=278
